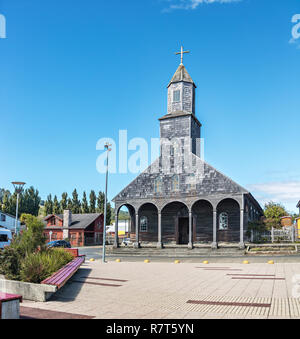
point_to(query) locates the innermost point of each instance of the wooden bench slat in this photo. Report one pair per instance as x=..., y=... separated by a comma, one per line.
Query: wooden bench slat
x=59, y=282
x=62, y=280
x=70, y=265
x=65, y=271
x=9, y=297
x=57, y=278
x=63, y=275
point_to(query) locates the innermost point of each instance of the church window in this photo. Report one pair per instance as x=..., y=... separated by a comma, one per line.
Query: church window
x=144, y=224
x=176, y=96
x=223, y=221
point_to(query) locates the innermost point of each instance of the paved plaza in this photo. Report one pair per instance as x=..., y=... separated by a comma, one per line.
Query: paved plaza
x=136, y=290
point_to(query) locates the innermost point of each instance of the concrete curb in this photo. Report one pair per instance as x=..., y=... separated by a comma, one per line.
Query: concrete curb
x=29, y=291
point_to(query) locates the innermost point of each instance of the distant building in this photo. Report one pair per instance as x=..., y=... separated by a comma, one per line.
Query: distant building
x=298, y=206
x=287, y=221
x=8, y=221
x=80, y=229
x=123, y=227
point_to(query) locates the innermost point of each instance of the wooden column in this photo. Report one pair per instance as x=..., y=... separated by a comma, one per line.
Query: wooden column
x=116, y=242
x=242, y=244
x=215, y=241
x=159, y=244
x=190, y=230
x=137, y=231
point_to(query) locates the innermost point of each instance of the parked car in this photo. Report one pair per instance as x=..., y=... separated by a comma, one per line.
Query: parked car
x=59, y=243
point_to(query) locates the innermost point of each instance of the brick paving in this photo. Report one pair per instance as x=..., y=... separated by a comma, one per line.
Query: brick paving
x=184, y=291
x=35, y=313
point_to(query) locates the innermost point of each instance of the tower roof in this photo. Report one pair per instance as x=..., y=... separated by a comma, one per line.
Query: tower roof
x=181, y=75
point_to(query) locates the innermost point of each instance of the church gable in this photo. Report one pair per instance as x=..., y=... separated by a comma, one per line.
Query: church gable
x=215, y=182
x=203, y=179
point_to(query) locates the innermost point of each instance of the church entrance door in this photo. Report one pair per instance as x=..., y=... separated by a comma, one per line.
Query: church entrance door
x=183, y=231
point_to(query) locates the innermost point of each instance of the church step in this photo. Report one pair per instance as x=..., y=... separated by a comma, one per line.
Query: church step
x=176, y=252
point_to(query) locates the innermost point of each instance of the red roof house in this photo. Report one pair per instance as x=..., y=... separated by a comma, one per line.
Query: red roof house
x=79, y=229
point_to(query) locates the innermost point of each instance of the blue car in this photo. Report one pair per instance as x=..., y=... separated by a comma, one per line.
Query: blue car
x=59, y=243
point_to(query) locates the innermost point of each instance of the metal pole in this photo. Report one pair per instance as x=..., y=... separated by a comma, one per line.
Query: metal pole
x=17, y=212
x=105, y=207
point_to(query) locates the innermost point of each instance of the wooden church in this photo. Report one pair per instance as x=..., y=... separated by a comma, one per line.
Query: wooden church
x=180, y=199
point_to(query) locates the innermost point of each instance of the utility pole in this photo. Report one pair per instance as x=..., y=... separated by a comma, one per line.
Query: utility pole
x=108, y=149
x=18, y=189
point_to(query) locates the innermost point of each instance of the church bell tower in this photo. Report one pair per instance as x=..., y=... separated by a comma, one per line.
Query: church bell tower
x=180, y=122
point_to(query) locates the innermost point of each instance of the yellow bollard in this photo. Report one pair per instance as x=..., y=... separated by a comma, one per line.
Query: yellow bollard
x=92, y=259
x=147, y=261
x=177, y=262
x=118, y=260
x=205, y=262
x=246, y=262
x=271, y=262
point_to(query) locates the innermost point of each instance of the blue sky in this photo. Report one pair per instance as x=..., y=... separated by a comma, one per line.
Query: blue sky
x=73, y=72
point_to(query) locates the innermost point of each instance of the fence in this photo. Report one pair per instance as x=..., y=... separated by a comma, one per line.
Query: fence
x=284, y=235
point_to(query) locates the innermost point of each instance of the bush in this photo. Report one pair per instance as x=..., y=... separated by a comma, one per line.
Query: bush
x=27, y=258
x=10, y=263
x=33, y=269
x=32, y=238
x=36, y=267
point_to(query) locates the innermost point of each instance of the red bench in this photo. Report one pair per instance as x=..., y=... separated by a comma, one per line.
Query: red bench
x=73, y=251
x=10, y=306
x=64, y=274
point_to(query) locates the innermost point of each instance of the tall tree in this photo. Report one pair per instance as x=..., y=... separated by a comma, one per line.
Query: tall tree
x=64, y=201
x=30, y=202
x=84, y=205
x=4, y=192
x=6, y=203
x=75, y=202
x=93, y=202
x=69, y=204
x=100, y=202
x=49, y=205
x=56, y=206
x=108, y=214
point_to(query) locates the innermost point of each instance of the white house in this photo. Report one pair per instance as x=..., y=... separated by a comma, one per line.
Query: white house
x=8, y=221
x=123, y=226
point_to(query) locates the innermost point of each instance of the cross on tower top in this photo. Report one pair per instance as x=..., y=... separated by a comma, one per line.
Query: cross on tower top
x=181, y=53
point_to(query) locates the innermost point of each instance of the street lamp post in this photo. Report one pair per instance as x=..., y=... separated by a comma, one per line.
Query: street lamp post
x=18, y=189
x=108, y=149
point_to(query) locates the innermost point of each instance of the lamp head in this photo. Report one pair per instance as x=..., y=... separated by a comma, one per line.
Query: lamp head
x=18, y=185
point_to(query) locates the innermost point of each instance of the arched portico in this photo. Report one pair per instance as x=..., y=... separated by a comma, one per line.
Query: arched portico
x=228, y=221
x=202, y=211
x=147, y=223
x=132, y=213
x=176, y=220
x=187, y=221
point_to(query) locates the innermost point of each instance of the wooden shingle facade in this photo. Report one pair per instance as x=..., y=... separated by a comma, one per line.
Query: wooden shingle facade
x=180, y=199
